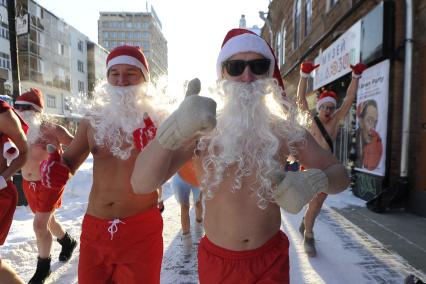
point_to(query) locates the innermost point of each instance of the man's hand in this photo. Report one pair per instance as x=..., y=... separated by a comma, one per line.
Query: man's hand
x=195, y=114
x=298, y=188
x=142, y=136
x=54, y=174
x=306, y=68
x=357, y=70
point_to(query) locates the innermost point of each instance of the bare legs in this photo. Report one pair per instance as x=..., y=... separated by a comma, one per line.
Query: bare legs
x=45, y=225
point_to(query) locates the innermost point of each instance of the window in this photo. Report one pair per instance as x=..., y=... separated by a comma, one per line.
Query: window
x=61, y=48
x=296, y=33
x=80, y=45
x=4, y=60
x=105, y=35
x=51, y=101
x=4, y=33
x=308, y=16
x=281, y=44
x=80, y=66
x=81, y=87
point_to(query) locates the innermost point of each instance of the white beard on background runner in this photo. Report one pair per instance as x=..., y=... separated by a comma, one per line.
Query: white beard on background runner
x=254, y=120
x=34, y=120
x=116, y=113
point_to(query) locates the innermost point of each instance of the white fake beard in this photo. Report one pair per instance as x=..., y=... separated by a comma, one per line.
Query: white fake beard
x=248, y=133
x=116, y=113
x=34, y=120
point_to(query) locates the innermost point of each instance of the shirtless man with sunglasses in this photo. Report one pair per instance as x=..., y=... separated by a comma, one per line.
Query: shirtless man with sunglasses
x=238, y=159
x=329, y=118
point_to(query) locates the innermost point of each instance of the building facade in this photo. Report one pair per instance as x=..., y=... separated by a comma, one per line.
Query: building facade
x=96, y=58
x=141, y=29
x=336, y=33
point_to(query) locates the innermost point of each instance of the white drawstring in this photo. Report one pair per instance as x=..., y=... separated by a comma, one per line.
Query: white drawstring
x=33, y=185
x=114, y=228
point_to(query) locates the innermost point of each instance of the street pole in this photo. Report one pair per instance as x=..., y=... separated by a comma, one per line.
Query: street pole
x=13, y=49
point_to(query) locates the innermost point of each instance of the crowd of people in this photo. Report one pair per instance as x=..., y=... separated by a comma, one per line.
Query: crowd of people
x=232, y=159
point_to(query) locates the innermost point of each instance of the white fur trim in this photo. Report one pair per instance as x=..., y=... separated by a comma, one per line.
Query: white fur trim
x=6, y=147
x=244, y=43
x=325, y=100
x=129, y=60
x=29, y=104
x=3, y=183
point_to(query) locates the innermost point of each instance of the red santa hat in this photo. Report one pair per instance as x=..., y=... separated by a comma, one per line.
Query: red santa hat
x=242, y=40
x=327, y=97
x=33, y=97
x=130, y=55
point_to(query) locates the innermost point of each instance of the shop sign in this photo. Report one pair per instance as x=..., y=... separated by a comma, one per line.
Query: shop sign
x=335, y=60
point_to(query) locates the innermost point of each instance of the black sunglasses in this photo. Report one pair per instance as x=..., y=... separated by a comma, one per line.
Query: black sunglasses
x=24, y=107
x=237, y=67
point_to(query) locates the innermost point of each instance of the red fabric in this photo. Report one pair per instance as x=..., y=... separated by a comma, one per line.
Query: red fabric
x=132, y=256
x=372, y=152
x=358, y=68
x=54, y=174
x=4, y=106
x=8, y=201
x=307, y=67
x=267, y=264
x=32, y=97
x=142, y=136
x=41, y=198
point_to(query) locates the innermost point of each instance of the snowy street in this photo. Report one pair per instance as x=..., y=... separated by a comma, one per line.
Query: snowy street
x=346, y=254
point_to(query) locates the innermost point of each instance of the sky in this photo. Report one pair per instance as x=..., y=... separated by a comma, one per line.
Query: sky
x=346, y=254
x=194, y=29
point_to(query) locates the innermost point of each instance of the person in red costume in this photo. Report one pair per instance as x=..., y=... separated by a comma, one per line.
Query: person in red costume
x=239, y=156
x=42, y=201
x=369, y=147
x=328, y=118
x=121, y=239
x=13, y=141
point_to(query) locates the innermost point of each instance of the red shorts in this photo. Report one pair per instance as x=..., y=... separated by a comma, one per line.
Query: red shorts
x=8, y=201
x=129, y=250
x=267, y=264
x=41, y=198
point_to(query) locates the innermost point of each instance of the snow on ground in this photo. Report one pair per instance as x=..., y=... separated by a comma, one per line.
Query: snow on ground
x=346, y=254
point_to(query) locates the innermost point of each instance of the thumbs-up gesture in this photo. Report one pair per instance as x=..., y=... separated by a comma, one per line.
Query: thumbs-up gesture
x=54, y=174
x=195, y=114
x=357, y=70
x=306, y=68
x=142, y=136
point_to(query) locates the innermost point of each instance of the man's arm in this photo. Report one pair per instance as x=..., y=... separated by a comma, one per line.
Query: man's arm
x=312, y=156
x=11, y=126
x=63, y=135
x=351, y=91
x=78, y=149
x=155, y=165
x=305, y=72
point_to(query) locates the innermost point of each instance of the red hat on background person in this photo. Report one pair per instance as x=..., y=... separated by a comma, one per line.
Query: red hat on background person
x=130, y=55
x=327, y=97
x=242, y=40
x=33, y=97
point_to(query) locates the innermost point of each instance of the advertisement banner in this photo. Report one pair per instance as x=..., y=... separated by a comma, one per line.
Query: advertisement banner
x=372, y=119
x=335, y=60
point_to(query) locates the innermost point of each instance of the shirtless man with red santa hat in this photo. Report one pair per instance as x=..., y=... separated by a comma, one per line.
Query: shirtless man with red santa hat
x=121, y=239
x=239, y=158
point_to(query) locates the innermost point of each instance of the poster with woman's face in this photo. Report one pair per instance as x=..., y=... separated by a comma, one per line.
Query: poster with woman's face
x=372, y=117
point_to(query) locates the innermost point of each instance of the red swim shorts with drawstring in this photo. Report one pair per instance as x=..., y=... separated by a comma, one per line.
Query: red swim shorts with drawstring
x=41, y=198
x=127, y=250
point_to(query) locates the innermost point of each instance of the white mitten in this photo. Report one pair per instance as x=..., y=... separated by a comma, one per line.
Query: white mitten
x=10, y=151
x=298, y=188
x=3, y=183
x=194, y=114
